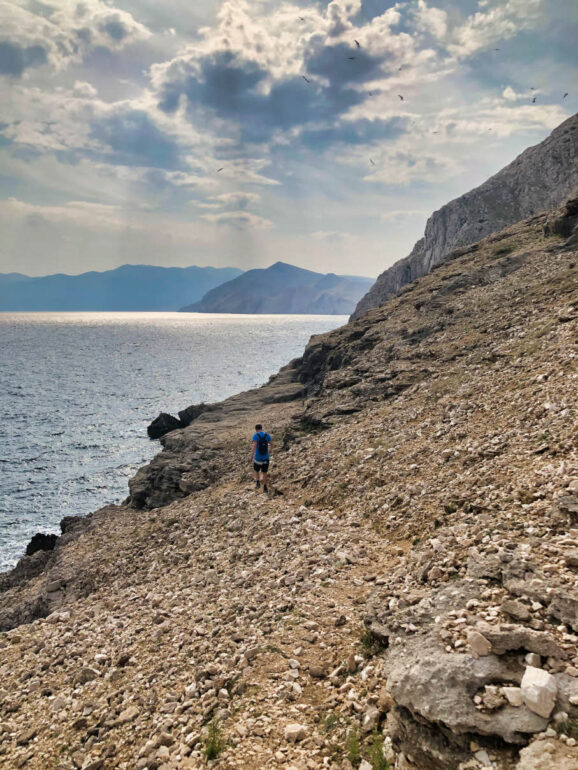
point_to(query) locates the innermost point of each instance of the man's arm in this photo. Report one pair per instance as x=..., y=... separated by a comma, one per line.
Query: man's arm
x=270, y=447
x=253, y=450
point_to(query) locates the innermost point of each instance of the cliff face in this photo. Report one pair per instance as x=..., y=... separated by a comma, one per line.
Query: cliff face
x=541, y=178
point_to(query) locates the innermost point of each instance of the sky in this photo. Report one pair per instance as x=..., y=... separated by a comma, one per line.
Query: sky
x=240, y=133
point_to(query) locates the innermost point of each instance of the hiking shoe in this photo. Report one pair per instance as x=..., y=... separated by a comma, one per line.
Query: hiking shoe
x=265, y=488
x=257, y=484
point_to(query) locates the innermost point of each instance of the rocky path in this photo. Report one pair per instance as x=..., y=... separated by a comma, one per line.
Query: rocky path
x=261, y=627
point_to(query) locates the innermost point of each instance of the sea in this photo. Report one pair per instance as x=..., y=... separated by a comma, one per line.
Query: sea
x=78, y=390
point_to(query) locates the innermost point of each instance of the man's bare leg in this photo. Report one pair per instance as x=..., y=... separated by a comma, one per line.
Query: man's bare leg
x=265, y=486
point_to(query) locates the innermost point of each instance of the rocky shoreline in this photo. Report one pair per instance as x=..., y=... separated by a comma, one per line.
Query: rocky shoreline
x=407, y=595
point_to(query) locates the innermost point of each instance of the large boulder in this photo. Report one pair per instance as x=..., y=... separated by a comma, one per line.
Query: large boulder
x=163, y=424
x=41, y=542
x=439, y=687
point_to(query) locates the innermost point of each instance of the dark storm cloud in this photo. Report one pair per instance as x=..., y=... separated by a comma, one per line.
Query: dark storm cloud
x=115, y=29
x=230, y=87
x=14, y=58
x=134, y=140
x=334, y=63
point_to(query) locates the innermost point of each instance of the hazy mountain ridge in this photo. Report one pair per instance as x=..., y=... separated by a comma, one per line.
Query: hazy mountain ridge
x=284, y=288
x=541, y=178
x=126, y=288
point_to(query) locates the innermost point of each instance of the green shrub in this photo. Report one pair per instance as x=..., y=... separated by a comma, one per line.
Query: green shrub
x=330, y=722
x=353, y=747
x=214, y=743
x=375, y=756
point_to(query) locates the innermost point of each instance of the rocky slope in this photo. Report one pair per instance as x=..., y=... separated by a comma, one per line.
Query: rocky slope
x=540, y=178
x=406, y=595
x=284, y=288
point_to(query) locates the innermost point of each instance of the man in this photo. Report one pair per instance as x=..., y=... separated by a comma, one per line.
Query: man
x=261, y=454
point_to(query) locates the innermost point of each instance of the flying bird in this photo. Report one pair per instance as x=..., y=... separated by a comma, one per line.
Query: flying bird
x=372, y=162
x=305, y=79
x=357, y=43
x=565, y=95
x=401, y=97
x=220, y=169
x=351, y=58
x=301, y=18
x=534, y=100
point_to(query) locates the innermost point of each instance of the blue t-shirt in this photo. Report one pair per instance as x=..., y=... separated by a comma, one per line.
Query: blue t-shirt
x=259, y=458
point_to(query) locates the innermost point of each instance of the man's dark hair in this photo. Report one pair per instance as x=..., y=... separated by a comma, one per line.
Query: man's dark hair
x=258, y=426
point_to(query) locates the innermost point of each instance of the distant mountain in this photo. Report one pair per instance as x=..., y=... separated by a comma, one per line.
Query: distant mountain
x=130, y=287
x=284, y=288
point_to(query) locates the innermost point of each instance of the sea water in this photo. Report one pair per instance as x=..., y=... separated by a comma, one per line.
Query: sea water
x=77, y=391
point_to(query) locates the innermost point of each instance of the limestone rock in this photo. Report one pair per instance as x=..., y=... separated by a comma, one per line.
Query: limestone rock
x=544, y=754
x=514, y=695
x=507, y=637
x=479, y=645
x=516, y=609
x=295, y=732
x=422, y=688
x=539, y=691
x=564, y=606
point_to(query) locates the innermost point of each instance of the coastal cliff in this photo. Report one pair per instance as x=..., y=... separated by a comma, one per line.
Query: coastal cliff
x=405, y=597
x=541, y=178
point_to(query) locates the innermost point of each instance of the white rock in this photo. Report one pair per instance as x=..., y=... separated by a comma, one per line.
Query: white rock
x=514, y=695
x=370, y=719
x=533, y=659
x=365, y=765
x=539, y=691
x=295, y=732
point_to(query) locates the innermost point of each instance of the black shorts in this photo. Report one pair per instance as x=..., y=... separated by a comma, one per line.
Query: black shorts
x=263, y=465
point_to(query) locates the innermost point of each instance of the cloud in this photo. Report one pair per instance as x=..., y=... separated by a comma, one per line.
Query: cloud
x=402, y=216
x=84, y=90
x=237, y=200
x=81, y=213
x=502, y=21
x=15, y=58
x=330, y=236
x=362, y=131
x=432, y=20
x=60, y=32
x=245, y=78
x=134, y=139
x=238, y=220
